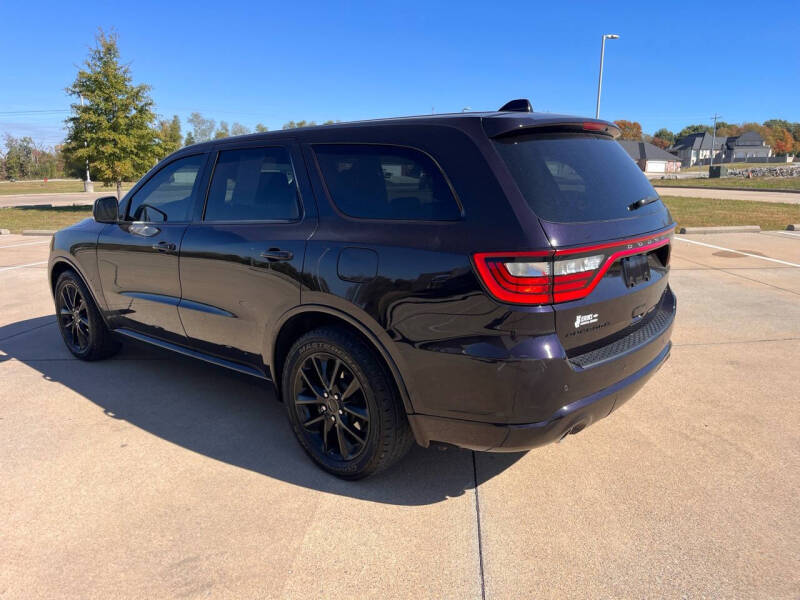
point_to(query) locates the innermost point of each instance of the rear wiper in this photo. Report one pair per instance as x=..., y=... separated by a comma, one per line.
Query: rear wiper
x=642, y=201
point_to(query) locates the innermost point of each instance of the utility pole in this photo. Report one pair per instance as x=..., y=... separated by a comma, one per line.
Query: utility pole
x=713, y=141
x=88, y=186
x=607, y=36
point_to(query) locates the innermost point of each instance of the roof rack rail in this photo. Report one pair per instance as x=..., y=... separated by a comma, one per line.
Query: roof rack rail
x=518, y=105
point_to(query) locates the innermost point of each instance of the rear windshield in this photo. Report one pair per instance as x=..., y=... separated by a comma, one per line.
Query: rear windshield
x=574, y=178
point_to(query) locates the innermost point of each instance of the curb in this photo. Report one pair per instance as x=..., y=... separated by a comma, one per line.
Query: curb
x=734, y=229
x=38, y=231
x=730, y=189
x=793, y=227
x=5, y=232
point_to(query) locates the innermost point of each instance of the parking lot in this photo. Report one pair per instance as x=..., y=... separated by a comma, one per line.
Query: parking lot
x=152, y=475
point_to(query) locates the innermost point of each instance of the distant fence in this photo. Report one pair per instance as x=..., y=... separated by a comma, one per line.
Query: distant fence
x=779, y=160
x=787, y=171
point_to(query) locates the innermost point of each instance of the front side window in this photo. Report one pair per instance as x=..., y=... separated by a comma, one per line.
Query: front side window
x=386, y=182
x=253, y=184
x=167, y=196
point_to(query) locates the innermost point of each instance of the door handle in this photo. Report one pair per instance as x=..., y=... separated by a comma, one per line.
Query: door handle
x=164, y=247
x=274, y=254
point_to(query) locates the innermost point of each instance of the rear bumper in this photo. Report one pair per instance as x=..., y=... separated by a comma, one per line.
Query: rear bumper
x=501, y=437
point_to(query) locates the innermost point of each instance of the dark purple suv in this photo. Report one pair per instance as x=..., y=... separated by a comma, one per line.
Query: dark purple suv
x=491, y=280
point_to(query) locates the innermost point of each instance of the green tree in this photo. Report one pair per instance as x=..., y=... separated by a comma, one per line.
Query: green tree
x=261, y=128
x=665, y=134
x=239, y=129
x=631, y=130
x=202, y=128
x=114, y=130
x=19, y=157
x=222, y=131
x=189, y=139
x=169, y=137
x=303, y=123
x=690, y=129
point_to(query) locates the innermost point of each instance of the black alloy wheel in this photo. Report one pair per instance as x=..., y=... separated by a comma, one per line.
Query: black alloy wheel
x=343, y=404
x=331, y=406
x=73, y=318
x=82, y=327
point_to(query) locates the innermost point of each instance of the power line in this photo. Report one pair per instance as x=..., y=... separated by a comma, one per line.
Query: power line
x=32, y=112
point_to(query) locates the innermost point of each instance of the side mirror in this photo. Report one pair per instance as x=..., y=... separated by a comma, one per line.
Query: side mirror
x=106, y=209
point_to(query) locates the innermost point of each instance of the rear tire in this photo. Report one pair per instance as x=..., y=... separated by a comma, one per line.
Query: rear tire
x=82, y=328
x=343, y=404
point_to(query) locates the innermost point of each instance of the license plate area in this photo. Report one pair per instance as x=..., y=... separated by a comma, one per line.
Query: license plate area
x=635, y=269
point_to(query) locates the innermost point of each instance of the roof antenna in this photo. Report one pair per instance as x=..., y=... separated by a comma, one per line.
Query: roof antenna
x=518, y=105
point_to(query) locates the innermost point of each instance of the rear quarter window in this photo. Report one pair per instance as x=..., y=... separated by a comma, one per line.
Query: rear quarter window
x=386, y=182
x=576, y=178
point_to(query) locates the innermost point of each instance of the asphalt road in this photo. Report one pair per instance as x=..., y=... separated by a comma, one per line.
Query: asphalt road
x=151, y=475
x=755, y=195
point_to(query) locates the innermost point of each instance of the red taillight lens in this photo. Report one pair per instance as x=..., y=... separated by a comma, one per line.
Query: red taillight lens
x=522, y=278
x=558, y=275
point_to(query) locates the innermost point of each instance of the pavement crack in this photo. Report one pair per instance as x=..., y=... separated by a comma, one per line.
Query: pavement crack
x=478, y=519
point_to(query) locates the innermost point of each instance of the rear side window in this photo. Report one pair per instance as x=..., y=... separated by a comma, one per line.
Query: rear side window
x=386, y=182
x=574, y=178
x=253, y=184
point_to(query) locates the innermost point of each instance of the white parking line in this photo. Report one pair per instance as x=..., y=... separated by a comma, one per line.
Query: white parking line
x=23, y=244
x=44, y=262
x=775, y=260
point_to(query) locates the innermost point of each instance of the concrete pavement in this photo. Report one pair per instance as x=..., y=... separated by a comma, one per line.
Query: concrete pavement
x=152, y=475
x=754, y=195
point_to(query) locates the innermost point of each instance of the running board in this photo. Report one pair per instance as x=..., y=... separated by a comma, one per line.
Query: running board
x=193, y=353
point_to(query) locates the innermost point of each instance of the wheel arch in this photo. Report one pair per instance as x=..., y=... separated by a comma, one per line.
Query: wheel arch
x=61, y=264
x=305, y=318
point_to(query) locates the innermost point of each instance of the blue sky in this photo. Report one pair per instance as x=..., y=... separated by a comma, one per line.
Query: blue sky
x=676, y=62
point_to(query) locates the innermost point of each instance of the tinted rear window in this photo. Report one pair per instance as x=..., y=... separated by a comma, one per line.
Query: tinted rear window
x=386, y=182
x=574, y=178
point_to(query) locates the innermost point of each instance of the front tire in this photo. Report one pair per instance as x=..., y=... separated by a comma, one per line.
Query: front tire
x=343, y=405
x=84, y=332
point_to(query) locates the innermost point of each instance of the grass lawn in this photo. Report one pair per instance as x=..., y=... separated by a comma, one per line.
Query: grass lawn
x=688, y=212
x=757, y=183
x=705, y=212
x=52, y=187
x=17, y=219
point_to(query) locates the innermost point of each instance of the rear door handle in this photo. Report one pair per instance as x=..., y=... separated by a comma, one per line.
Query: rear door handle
x=277, y=254
x=164, y=247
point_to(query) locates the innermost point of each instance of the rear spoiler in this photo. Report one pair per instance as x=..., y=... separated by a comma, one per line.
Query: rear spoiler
x=505, y=124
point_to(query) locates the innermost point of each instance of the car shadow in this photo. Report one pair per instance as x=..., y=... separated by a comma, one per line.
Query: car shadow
x=229, y=417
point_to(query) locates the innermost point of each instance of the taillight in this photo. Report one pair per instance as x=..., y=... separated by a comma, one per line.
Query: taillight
x=557, y=275
x=519, y=278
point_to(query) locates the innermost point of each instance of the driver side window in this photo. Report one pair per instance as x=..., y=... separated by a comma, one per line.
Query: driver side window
x=167, y=196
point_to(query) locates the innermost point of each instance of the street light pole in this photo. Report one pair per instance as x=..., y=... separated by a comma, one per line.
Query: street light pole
x=607, y=36
x=713, y=141
x=87, y=185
